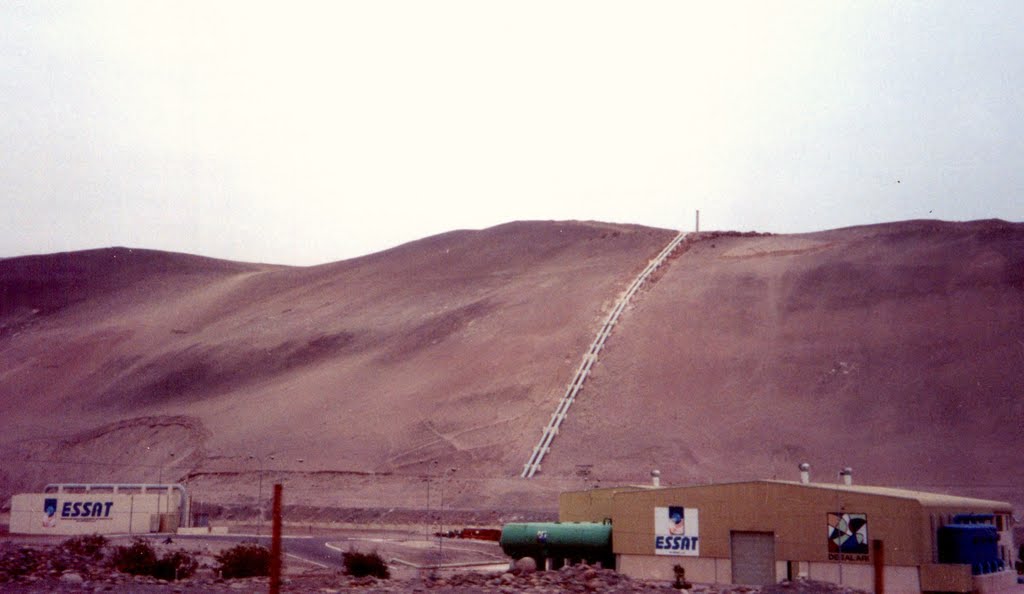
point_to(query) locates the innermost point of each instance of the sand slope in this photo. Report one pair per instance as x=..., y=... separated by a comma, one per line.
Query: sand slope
x=894, y=349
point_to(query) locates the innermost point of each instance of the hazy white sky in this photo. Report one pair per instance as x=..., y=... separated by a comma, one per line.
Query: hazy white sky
x=303, y=133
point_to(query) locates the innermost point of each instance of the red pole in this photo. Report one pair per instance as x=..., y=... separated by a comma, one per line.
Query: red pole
x=878, y=548
x=275, y=544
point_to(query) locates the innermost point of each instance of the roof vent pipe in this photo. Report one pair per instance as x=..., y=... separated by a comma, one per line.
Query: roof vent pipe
x=805, y=473
x=656, y=478
x=847, y=475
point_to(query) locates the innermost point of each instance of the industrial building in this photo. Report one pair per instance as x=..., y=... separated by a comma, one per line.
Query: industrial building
x=67, y=509
x=761, y=532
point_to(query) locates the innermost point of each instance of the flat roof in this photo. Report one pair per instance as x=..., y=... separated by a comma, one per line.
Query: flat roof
x=925, y=498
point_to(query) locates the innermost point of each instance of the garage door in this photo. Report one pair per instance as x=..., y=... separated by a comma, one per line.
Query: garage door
x=753, y=558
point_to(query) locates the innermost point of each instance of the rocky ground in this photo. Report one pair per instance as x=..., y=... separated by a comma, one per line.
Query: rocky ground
x=46, y=568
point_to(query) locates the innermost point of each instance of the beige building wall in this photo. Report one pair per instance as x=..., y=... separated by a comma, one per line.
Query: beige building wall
x=698, y=569
x=88, y=513
x=898, y=579
x=996, y=583
x=946, y=578
x=797, y=517
x=592, y=505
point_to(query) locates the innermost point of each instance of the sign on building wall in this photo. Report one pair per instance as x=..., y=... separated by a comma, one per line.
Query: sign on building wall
x=847, y=537
x=68, y=509
x=676, y=531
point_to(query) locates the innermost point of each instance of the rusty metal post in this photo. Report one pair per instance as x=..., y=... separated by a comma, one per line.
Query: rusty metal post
x=275, y=544
x=878, y=555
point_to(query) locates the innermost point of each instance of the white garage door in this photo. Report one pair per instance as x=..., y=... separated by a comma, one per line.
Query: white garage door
x=753, y=558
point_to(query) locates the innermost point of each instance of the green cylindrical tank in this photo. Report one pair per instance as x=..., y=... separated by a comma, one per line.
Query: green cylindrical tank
x=570, y=540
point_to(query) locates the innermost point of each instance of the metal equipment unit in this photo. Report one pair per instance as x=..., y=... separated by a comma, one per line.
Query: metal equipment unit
x=974, y=544
x=570, y=542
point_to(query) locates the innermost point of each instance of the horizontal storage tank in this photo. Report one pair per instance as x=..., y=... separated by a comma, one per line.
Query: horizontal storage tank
x=579, y=541
x=976, y=545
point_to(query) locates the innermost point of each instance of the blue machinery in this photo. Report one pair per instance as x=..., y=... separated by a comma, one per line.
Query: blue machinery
x=971, y=539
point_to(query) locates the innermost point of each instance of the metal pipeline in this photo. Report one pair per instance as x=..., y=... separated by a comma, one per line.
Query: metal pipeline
x=183, y=506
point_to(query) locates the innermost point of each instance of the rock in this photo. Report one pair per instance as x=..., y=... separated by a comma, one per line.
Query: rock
x=507, y=578
x=594, y=584
x=207, y=573
x=71, y=578
x=526, y=565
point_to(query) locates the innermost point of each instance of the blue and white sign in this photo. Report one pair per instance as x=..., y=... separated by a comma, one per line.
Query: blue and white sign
x=676, y=531
x=77, y=511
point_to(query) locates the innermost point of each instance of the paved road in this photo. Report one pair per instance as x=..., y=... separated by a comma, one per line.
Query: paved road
x=308, y=548
x=411, y=553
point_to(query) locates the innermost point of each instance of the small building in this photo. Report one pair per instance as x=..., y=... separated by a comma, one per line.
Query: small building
x=100, y=509
x=762, y=532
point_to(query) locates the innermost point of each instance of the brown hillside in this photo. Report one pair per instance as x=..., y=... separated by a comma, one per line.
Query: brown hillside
x=440, y=354
x=894, y=349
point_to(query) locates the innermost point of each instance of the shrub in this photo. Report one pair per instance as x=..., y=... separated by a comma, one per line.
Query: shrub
x=363, y=564
x=247, y=559
x=178, y=565
x=137, y=558
x=89, y=546
x=20, y=562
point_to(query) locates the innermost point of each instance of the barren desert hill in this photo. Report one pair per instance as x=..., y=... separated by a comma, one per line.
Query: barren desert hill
x=442, y=349
x=895, y=349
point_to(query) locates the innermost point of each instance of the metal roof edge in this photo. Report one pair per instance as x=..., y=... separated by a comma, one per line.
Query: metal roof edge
x=924, y=498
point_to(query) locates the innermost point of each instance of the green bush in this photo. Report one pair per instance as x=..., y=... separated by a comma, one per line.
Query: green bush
x=363, y=564
x=89, y=546
x=137, y=558
x=247, y=559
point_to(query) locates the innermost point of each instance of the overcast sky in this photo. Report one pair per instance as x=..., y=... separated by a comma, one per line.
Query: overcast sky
x=303, y=133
